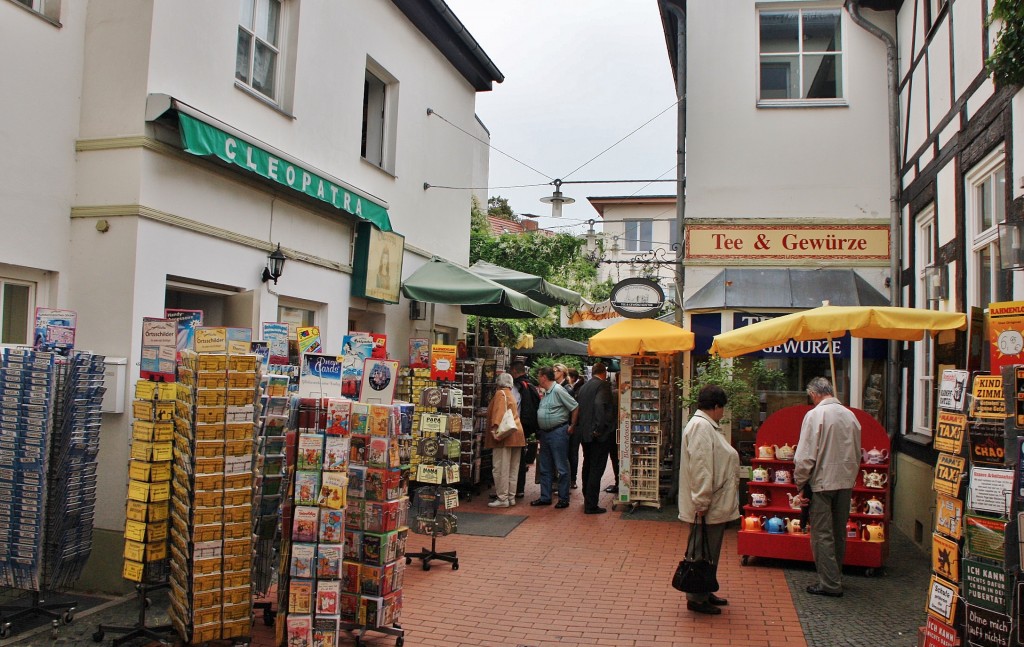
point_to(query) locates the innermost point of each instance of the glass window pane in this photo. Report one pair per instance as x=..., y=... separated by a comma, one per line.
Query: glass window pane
x=779, y=77
x=242, y=56
x=646, y=235
x=14, y=326
x=267, y=14
x=632, y=234
x=985, y=276
x=780, y=31
x=822, y=76
x=999, y=196
x=821, y=31
x=984, y=192
x=263, y=69
x=246, y=13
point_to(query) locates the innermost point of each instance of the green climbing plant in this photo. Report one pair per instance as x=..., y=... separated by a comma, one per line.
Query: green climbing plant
x=1007, y=60
x=741, y=380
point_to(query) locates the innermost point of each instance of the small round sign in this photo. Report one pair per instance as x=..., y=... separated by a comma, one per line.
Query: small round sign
x=637, y=298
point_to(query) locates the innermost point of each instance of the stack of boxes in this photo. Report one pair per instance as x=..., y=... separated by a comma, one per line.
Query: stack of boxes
x=149, y=481
x=26, y=419
x=211, y=506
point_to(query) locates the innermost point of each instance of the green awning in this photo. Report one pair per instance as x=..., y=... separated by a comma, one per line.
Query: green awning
x=203, y=139
x=529, y=284
x=440, y=281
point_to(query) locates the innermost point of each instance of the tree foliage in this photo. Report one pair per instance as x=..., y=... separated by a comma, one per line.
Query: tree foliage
x=1007, y=60
x=740, y=379
x=498, y=207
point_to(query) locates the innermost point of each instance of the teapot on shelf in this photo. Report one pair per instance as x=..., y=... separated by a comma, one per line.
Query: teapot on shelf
x=785, y=453
x=766, y=451
x=874, y=507
x=874, y=532
x=753, y=523
x=852, y=530
x=795, y=500
x=874, y=479
x=759, y=474
x=792, y=526
x=874, y=456
x=782, y=476
x=758, y=499
x=854, y=505
x=775, y=525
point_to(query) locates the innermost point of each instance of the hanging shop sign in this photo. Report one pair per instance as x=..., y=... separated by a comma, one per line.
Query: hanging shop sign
x=945, y=557
x=986, y=537
x=716, y=242
x=949, y=432
x=942, y=599
x=200, y=138
x=985, y=628
x=949, y=516
x=991, y=490
x=637, y=298
x=949, y=470
x=1005, y=334
x=939, y=634
x=377, y=266
x=953, y=389
x=988, y=399
x=988, y=444
x=987, y=586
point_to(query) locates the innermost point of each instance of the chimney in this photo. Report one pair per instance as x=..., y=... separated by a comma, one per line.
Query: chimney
x=529, y=225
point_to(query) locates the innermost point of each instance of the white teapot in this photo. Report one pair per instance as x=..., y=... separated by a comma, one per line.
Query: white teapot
x=758, y=499
x=766, y=451
x=785, y=452
x=875, y=456
x=874, y=479
x=759, y=474
x=783, y=476
x=874, y=507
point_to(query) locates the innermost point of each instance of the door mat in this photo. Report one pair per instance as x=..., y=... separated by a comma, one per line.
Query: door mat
x=667, y=512
x=483, y=524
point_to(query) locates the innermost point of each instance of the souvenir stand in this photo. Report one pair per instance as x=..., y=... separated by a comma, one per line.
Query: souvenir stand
x=49, y=437
x=435, y=500
x=771, y=521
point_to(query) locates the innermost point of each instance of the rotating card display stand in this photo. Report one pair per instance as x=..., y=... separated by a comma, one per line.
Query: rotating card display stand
x=139, y=629
x=433, y=503
x=50, y=422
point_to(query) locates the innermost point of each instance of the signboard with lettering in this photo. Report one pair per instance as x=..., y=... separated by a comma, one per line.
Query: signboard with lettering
x=637, y=298
x=939, y=634
x=949, y=432
x=953, y=389
x=986, y=537
x=1005, y=328
x=949, y=516
x=988, y=399
x=949, y=470
x=986, y=628
x=990, y=490
x=987, y=586
x=945, y=557
x=988, y=444
x=942, y=599
x=786, y=243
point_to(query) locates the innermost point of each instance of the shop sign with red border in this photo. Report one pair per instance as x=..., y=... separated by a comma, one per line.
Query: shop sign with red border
x=939, y=634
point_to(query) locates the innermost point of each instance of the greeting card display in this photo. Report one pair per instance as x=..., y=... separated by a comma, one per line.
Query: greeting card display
x=380, y=377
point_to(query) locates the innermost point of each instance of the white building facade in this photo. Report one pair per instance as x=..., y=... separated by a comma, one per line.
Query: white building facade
x=319, y=116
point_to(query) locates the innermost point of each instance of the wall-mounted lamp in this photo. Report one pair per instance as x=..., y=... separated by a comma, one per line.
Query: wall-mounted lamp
x=936, y=283
x=275, y=265
x=1011, y=245
x=416, y=311
x=556, y=200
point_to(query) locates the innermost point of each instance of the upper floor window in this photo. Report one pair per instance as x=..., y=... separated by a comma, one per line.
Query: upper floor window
x=17, y=305
x=639, y=235
x=48, y=8
x=258, y=60
x=380, y=100
x=986, y=204
x=801, y=55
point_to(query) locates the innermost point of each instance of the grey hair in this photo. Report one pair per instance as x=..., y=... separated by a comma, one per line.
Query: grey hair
x=504, y=381
x=820, y=386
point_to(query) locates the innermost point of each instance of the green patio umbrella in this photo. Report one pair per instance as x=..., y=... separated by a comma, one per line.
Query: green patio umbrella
x=441, y=281
x=532, y=286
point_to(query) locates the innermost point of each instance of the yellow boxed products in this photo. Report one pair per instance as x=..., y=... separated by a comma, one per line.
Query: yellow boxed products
x=236, y=628
x=163, y=410
x=203, y=516
x=237, y=595
x=212, y=362
x=235, y=547
x=207, y=549
x=238, y=563
x=237, y=531
x=209, y=465
x=210, y=582
x=210, y=414
x=234, y=580
x=151, y=472
x=139, y=511
x=148, y=492
x=207, y=599
x=240, y=496
x=147, y=430
x=206, y=566
x=145, y=390
x=235, y=611
x=209, y=499
x=238, y=465
x=240, y=397
x=245, y=363
x=133, y=571
x=142, y=552
x=152, y=452
x=207, y=532
x=242, y=380
x=206, y=633
x=143, y=409
x=145, y=532
x=237, y=514
x=209, y=431
x=239, y=430
x=238, y=447
x=208, y=482
x=209, y=449
x=211, y=397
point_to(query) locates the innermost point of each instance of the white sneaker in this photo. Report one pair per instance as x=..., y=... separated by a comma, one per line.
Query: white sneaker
x=498, y=503
x=511, y=502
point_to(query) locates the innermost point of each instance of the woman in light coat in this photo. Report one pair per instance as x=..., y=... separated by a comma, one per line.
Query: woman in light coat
x=708, y=487
x=507, y=451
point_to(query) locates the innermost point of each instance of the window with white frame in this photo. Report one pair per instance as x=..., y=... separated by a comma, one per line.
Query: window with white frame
x=986, y=208
x=258, y=60
x=639, y=235
x=801, y=55
x=17, y=303
x=380, y=102
x=925, y=244
x=48, y=8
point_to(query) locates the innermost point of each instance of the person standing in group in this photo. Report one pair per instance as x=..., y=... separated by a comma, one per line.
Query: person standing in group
x=573, y=385
x=596, y=431
x=562, y=377
x=506, y=452
x=708, y=487
x=827, y=457
x=556, y=418
x=528, y=399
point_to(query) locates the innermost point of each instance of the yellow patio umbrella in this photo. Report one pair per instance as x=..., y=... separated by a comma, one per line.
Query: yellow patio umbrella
x=829, y=322
x=635, y=336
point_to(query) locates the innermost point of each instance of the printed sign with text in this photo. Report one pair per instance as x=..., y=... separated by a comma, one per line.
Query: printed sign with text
x=949, y=432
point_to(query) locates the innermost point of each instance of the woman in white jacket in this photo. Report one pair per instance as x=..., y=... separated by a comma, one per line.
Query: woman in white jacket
x=708, y=487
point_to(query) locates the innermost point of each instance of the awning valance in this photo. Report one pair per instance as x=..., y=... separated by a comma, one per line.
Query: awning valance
x=747, y=288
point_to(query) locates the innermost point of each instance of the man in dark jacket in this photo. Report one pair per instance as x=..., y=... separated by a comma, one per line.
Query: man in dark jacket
x=596, y=428
x=528, y=402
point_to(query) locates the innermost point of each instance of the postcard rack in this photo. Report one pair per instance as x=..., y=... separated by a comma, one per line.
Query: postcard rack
x=50, y=422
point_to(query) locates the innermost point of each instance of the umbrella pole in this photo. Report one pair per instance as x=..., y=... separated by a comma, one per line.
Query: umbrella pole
x=433, y=334
x=832, y=365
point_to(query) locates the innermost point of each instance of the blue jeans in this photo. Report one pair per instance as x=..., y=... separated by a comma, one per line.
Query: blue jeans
x=554, y=446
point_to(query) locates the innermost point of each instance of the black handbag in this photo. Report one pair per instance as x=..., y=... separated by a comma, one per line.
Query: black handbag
x=696, y=575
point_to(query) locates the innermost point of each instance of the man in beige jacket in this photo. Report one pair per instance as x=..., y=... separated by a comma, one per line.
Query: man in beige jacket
x=708, y=487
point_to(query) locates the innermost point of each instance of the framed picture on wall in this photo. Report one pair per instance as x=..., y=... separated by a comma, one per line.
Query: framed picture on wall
x=377, y=266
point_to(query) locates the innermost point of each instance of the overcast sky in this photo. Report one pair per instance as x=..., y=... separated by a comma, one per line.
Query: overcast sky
x=579, y=76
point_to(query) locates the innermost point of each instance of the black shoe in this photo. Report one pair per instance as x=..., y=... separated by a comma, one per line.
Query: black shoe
x=612, y=489
x=704, y=607
x=520, y=495
x=493, y=497
x=816, y=589
x=562, y=504
x=537, y=502
x=573, y=486
x=717, y=601
x=594, y=510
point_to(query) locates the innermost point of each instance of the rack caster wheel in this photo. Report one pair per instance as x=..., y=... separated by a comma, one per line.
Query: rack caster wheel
x=268, y=618
x=455, y=566
x=358, y=642
x=5, y=630
x=68, y=617
x=97, y=636
x=408, y=560
x=744, y=560
x=146, y=602
x=426, y=566
x=54, y=627
x=400, y=641
x=872, y=572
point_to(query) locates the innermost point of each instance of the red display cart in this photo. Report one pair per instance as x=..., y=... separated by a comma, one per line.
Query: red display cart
x=780, y=429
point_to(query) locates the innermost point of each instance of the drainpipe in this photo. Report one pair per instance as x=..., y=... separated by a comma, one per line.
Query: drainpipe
x=895, y=214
